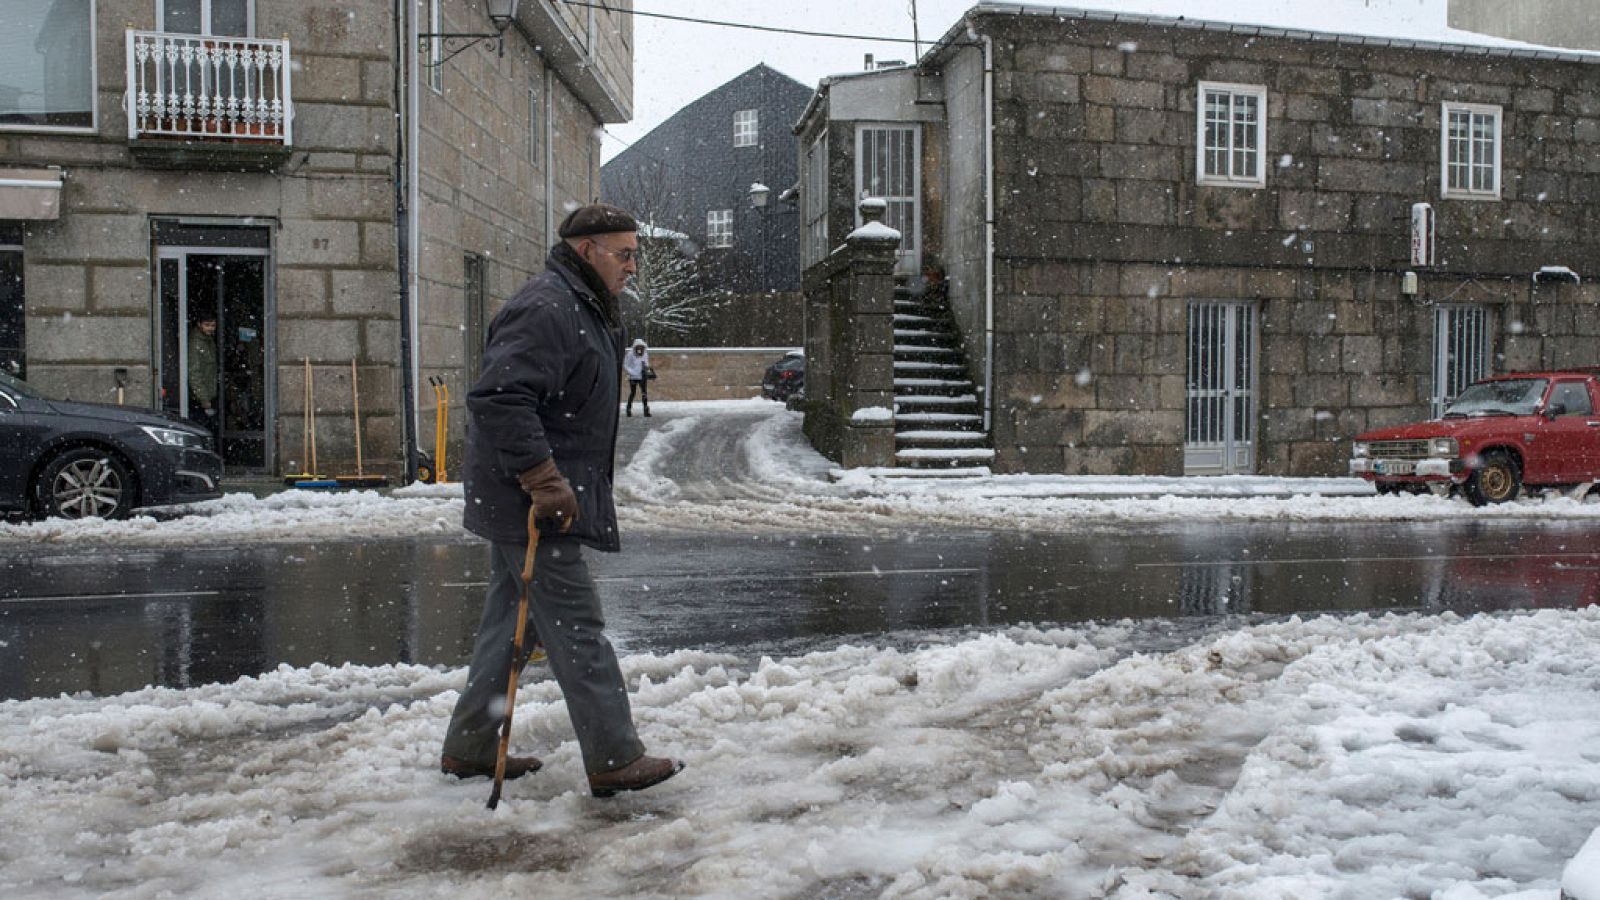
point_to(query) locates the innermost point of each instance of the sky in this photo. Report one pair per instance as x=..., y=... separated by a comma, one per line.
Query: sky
x=676, y=62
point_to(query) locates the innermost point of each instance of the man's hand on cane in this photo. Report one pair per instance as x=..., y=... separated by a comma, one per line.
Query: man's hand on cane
x=552, y=495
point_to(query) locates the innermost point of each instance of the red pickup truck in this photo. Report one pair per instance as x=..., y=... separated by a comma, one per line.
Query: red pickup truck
x=1538, y=430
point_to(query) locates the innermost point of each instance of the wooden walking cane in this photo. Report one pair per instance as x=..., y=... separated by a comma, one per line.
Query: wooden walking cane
x=516, y=661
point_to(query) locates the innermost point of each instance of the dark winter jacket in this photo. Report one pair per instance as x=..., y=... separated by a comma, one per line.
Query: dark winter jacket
x=548, y=388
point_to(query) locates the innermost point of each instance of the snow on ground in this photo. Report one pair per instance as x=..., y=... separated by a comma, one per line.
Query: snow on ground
x=1370, y=757
x=785, y=485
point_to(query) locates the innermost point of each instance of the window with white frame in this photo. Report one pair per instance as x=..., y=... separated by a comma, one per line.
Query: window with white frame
x=814, y=202
x=47, y=73
x=1231, y=134
x=745, y=127
x=234, y=18
x=719, y=228
x=888, y=167
x=1470, y=152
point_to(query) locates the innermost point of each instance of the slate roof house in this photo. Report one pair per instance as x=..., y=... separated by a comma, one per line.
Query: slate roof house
x=1178, y=247
x=333, y=181
x=693, y=174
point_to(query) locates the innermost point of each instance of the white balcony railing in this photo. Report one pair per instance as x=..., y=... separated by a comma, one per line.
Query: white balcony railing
x=206, y=86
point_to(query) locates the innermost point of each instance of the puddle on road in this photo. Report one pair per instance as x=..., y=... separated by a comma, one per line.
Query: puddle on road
x=193, y=616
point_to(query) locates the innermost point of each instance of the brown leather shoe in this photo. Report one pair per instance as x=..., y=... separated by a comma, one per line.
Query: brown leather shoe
x=516, y=767
x=635, y=776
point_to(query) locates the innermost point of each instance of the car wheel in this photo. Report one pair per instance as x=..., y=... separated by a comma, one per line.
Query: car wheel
x=1497, y=480
x=85, y=483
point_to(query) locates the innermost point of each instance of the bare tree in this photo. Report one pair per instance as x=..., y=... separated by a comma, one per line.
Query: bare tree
x=666, y=293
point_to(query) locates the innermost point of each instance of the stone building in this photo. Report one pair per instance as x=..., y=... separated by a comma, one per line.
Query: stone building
x=280, y=167
x=1184, y=247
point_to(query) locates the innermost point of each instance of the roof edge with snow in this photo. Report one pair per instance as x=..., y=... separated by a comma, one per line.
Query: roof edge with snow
x=1531, y=51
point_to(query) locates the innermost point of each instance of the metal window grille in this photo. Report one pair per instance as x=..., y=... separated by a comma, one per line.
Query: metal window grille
x=1232, y=134
x=887, y=167
x=1460, y=351
x=719, y=228
x=1472, y=150
x=1221, y=374
x=814, y=201
x=745, y=127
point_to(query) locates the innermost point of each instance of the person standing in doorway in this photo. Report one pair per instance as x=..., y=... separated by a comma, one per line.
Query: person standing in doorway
x=202, y=372
x=544, y=426
x=637, y=364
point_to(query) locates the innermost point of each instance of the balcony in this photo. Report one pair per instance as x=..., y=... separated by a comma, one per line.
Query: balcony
x=209, y=101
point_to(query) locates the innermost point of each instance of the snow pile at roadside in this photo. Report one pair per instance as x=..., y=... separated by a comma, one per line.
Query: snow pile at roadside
x=291, y=515
x=1360, y=757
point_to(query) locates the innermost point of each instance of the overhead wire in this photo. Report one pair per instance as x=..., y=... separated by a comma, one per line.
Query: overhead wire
x=722, y=23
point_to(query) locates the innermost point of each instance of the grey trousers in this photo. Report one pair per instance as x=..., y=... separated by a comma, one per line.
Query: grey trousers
x=564, y=612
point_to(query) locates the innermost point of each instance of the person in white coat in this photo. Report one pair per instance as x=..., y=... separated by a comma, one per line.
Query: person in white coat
x=636, y=363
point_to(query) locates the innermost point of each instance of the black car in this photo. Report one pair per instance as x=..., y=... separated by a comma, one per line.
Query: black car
x=78, y=460
x=785, y=377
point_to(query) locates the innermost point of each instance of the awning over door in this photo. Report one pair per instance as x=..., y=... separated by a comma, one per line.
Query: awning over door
x=30, y=194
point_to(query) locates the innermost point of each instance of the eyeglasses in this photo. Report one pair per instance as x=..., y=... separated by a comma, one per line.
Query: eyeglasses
x=627, y=256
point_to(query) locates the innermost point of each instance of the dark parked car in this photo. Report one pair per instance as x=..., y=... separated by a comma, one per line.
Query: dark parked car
x=785, y=377
x=76, y=460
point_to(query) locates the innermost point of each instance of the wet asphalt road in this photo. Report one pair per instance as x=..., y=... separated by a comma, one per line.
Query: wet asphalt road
x=107, y=621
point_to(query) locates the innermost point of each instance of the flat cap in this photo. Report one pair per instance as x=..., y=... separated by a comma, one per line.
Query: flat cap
x=597, y=218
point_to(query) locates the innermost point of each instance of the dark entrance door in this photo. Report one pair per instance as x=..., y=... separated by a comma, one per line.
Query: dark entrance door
x=227, y=286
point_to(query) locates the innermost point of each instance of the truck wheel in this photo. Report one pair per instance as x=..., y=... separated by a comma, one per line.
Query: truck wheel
x=1497, y=480
x=1387, y=487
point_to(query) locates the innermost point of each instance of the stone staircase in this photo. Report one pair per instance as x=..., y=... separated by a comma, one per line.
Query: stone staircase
x=938, y=422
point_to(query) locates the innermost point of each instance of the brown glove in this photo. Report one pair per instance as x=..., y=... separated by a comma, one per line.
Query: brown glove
x=552, y=495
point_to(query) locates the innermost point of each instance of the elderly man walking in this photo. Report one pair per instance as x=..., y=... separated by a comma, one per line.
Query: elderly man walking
x=543, y=431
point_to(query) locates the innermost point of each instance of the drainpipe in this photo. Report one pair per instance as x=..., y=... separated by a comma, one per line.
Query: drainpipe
x=988, y=234
x=414, y=141
x=402, y=223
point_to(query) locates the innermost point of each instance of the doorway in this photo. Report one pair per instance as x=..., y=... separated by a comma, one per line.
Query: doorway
x=211, y=348
x=1460, y=351
x=1220, y=420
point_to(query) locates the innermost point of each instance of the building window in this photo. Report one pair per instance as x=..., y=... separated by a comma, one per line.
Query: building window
x=13, y=311
x=1471, y=150
x=234, y=18
x=1232, y=134
x=719, y=228
x=433, y=49
x=814, y=202
x=745, y=127
x=888, y=167
x=47, y=74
